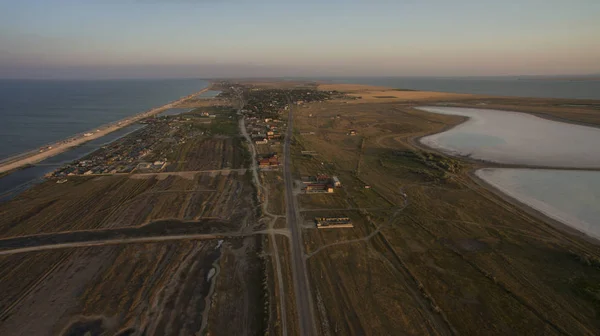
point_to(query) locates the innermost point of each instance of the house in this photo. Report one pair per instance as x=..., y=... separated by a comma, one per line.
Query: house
x=333, y=222
x=336, y=182
x=318, y=188
x=263, y=163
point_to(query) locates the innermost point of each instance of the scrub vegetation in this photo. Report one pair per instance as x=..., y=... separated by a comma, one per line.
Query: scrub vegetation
x=437, y=253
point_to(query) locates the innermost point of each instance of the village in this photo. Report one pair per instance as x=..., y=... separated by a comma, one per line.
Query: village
x=151, y=149
x=263, y=116
x=146, y=150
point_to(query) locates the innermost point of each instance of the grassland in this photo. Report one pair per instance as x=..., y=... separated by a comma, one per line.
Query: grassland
x=118, y=201
x=89, y=277
x=432, y=252
x=157, y=289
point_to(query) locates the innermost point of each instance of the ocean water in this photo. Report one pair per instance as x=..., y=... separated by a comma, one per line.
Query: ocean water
x=496, y=86
x=35, y=113
x=20, y=180
x=517, y=138
x=571, y=197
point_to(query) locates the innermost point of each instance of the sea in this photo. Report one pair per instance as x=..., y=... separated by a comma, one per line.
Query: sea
x=34, y=113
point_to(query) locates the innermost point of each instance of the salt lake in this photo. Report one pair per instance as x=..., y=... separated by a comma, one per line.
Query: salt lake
x=569, y=196
x=517, y=138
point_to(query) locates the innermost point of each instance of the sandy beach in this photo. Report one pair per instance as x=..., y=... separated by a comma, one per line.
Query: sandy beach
x=51, y=150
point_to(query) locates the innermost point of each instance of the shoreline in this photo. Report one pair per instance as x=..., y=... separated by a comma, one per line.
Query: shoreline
x=530, y=210
x=517, y=110
x=32, y=157
x=479, y=164
x=416, y=141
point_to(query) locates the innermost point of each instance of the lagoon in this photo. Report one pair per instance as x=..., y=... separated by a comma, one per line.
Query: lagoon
x=571, y=197
x=517, y=138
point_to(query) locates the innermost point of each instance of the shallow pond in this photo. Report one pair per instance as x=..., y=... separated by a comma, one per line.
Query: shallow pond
x=569, y=196
x=517, y=138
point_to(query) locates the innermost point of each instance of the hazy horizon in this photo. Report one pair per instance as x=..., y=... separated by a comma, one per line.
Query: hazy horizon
x=582, y=77
x=237, y=38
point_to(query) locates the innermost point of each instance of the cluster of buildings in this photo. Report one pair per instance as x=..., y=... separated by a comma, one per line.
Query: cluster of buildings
x=262, y=112
x=208, y=115
x=144, y=150
x=263, y=131
x=320, y=184
x=267, y=103
x=264, y=107
x=268, y=161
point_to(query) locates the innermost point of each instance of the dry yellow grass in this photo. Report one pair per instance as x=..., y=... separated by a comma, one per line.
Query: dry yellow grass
x=395, y=95
x=380, y=94
x=351, y=87
x=456, y=260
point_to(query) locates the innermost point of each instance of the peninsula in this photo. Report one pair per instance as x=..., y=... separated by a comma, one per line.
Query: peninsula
x=294, y=208
x=50, y=150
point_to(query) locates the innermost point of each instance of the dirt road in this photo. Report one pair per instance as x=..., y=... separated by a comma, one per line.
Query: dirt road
x=270, y=231
x=110, y=242
x=301, y=284
x=131, y=235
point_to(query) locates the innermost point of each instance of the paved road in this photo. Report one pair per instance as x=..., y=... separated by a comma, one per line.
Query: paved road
x=301, y=285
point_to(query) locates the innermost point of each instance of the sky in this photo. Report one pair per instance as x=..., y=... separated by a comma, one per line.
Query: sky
x=269, y=38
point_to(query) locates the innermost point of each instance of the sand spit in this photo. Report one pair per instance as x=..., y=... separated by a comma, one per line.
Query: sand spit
x=51, y=150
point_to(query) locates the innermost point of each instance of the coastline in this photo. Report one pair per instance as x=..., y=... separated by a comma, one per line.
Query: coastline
x=20, y=160
x=530, y=210
x=536, y=114
x=417, y=142
x=479, y=164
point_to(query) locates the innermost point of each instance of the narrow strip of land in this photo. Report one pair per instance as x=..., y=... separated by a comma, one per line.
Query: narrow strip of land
x=51, y=150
